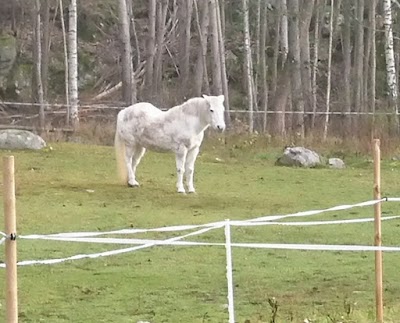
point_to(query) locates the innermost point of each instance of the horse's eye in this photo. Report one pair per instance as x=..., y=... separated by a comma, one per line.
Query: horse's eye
x=211, y=110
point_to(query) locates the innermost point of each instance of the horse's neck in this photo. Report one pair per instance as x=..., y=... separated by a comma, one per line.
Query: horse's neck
x=191, y=118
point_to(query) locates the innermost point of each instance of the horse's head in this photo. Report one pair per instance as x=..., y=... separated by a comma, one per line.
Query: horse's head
x=216, y=111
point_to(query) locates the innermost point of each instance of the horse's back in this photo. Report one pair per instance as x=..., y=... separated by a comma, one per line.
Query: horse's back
x=142, y=110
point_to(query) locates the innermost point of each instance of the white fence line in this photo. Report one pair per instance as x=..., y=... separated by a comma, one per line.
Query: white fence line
x=92, y=237
x=121, y=105
x=229, y=271
x=193, y=226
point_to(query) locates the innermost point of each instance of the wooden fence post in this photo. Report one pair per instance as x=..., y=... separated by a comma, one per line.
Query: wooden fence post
x=10, y=243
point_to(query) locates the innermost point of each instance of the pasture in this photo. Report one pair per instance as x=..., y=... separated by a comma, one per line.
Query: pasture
x=74, y=187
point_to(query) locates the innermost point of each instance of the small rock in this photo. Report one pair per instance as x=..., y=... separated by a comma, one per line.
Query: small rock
x=336, y=163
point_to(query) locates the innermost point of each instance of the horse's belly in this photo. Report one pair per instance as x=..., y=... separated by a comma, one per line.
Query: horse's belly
x=155, y=141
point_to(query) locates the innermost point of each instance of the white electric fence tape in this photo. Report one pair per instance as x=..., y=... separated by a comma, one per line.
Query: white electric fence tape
x=314, y=212
x=229, y=273
x=91, y=239
x=266, y=220
x=190, y=227
x=111, y=252
x=123, y=231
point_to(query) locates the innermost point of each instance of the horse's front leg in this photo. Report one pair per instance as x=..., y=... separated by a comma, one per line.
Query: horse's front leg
x=189, y=168
x=180, y=158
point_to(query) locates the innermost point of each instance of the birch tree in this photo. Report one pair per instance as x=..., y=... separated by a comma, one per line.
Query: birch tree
x=249, y=73
x=263, y=63
x=284, y=30
x=328, y=82
x=389, y=55
x=73, y=63
x=224, y=78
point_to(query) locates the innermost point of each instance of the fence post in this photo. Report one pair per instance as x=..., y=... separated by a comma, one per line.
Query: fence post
x=10, y=243
x=378, y=232
x=229, y=274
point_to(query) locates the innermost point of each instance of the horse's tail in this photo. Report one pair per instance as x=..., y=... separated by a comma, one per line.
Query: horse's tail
x=119, y=146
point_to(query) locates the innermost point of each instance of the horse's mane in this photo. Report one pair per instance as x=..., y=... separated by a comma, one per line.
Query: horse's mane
x=193, y=106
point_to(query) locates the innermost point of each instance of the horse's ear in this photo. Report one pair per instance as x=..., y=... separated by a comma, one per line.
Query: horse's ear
x=205, y=96
x=221, y=97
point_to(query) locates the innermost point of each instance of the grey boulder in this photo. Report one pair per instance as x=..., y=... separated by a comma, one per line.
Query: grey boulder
x=300, y=157
x=20, y=139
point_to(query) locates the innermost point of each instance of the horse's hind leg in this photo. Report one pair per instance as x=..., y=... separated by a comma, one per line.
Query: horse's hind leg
x=138, y=153
x=129, y=152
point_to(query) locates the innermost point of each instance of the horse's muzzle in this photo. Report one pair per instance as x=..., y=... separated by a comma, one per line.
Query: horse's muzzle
x=220, y=128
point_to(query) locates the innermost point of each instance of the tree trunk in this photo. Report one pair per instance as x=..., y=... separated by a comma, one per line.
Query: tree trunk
x=294, y=62
x=284, y=31
x=45, y=46
x=185, y=17
x=249, y=74
x=389, y=55
x=373, y=55
x=66, y=73
x=279, y=102
x=215, y=51
x=358, y=54
x=276, y=53
x=201, y=74
x=161, y=18
x=317, y=35
x=305, y=20
x=37, y=54
x=224, y=78
x=373, y=60
x=132, y=30
x=126, y=57
x=73, y=64
x=347, y=66
x=263, y=65
x=328, y=82
x=151, y=45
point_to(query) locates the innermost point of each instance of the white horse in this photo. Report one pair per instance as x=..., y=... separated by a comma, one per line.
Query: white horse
x=180, y=129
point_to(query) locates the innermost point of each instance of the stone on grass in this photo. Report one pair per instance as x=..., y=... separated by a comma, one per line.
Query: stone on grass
x=20, y=139
x=299, y=157
x=336, y=163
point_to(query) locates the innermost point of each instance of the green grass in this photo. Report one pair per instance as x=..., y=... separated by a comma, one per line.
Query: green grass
x=74, y=188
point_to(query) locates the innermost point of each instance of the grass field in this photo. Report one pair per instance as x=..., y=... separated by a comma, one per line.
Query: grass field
x=73, y=187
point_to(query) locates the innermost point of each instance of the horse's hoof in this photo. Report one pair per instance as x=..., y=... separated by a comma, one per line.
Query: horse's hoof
x=133, y=185
x=183, y=192
x=192, y=191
